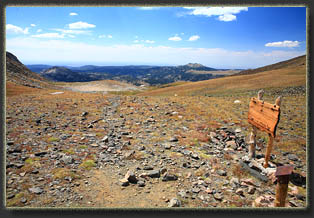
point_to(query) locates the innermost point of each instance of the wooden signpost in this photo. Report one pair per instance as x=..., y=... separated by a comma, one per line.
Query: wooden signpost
x=265, y=117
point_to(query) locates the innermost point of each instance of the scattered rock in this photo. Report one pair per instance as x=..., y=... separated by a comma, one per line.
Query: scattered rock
x=154, y=173
x=36, y=190
x=251, y=190
x=169, y=177
x=141, y=183
x=130, y=176
x=293, y=157
x=174, y=202
x=67, y=159
x=218, y=196
x=221, y=173
x=239, y=191
x=124, y=182
x=173, y=139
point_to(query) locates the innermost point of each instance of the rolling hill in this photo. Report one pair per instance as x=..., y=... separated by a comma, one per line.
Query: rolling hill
x=294, y=62
x=289, y=73
x=138, y=75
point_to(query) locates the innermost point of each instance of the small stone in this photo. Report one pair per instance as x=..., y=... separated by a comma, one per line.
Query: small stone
x=174, y=202
x=293, y=157
x=141, y=148
x=124, y=182
x=221, y=173
x=41, y=153
x=94, y=145
x=36, y=190
x=141, y=183
x=148, y=168
x=67, y=159
x=169, y=177
x=251, y=190
x=173, y=139
x=195, y=190
x=10, y=196
x=195, y=156
x=23, y=200
x=167, y=146
x=218, y=196
x=154, y=173
x=239, y=191
x=84, y=114
x=105, y=139
x=130, y=176
x=238, y=130
x=10, y=142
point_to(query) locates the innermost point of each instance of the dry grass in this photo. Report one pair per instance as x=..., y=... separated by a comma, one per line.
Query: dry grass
x=289, y=76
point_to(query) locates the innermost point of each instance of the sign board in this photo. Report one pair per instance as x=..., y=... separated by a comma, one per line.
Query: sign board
x=264, y=116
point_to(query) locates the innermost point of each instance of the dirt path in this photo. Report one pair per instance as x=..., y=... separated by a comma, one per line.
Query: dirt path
x=74, y=149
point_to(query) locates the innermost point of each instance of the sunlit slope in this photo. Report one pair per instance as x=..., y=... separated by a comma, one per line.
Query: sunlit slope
x=286, y=76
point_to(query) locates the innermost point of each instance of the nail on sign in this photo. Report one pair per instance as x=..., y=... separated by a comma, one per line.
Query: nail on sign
x=264, y=116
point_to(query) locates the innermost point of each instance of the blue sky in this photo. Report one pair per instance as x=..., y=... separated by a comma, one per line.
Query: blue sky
x=220, y=37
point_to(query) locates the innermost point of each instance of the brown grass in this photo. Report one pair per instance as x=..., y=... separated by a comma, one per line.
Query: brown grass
x=295, y=76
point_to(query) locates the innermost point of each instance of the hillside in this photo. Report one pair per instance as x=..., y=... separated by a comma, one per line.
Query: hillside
x=289, y=73
x=63, y=74
x=17, y=73
x=294, y=62
x=69, y=148
x=137, y=75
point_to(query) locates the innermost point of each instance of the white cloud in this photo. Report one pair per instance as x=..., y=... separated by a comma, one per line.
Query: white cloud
x=76, y=32
x=227, y=17
x=33, y=25
x=73, y=14
x=81, y=25
x=150, y=41
x=286, y=43
x=61, y=50
x=105, y=36
x=194, y=38
x=136, y=41
x=224, y=13
x=175, y=38
x=16, y=30
x=39, y=30
x=148, y=8
x=49, y=35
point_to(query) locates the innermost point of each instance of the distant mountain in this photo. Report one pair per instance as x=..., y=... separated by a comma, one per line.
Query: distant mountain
x=63, y=74
x=18, y=73
x=37, y=68
x=136, y=74
x=294, y=62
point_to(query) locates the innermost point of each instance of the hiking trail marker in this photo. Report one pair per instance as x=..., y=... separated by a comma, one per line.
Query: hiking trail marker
x=265, y=117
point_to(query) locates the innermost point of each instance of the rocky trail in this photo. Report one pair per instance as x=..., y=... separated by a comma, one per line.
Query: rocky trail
x=90, y=150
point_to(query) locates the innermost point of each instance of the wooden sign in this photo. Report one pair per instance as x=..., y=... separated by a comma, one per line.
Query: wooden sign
x=264, y=116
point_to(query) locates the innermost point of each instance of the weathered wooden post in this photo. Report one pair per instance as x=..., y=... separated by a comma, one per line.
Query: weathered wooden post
x=282, y=173
x=265, y=117
x=252, y=141
x=271, y=137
